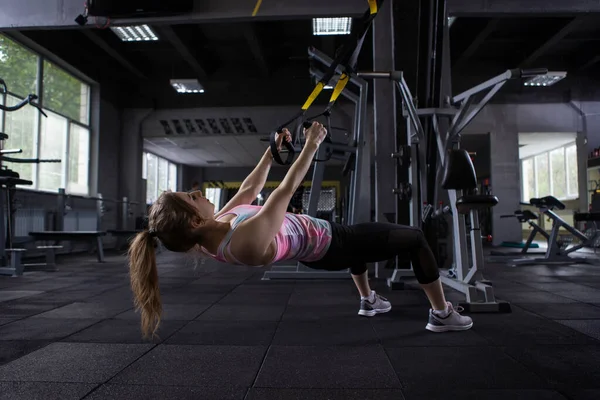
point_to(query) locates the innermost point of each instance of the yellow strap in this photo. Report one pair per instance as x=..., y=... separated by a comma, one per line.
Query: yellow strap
x=315, y=93
x=372, y=6
x=259, y=2
x=339, y=87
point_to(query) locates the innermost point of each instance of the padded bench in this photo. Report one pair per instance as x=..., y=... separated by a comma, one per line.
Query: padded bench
x=93, y=237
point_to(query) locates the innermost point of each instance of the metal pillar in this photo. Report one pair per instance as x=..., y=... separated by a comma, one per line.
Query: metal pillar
x=384, y=107
x=59, y=219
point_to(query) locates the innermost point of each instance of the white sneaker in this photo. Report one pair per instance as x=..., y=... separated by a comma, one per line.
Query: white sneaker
x=379, y=305
x=453, y=321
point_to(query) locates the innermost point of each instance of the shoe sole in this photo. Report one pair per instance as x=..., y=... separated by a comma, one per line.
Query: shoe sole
x=448, y=328
x=372, y=313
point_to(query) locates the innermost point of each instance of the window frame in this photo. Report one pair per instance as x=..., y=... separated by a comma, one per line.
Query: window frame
x=156, y=178
x=39, y=91
x=547, y=153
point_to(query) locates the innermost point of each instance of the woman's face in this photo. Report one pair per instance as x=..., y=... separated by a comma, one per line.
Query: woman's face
x=206, y=209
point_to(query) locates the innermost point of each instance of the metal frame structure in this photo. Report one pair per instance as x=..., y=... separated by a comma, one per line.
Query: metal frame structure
x=466, y=275
x=359, y=186
x=554, y=253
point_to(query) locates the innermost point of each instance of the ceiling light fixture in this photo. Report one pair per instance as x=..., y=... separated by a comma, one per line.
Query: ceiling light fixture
x=548, y=79
x=136, y=33
x=332, y=26
x=187, y=86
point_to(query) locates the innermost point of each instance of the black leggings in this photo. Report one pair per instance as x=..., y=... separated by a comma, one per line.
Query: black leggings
x=356, y=245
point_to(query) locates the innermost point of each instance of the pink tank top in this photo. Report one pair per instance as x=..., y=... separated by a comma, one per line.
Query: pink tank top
x=301, y=237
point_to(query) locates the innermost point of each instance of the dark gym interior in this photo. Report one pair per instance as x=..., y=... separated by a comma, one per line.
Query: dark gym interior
x=105, y=105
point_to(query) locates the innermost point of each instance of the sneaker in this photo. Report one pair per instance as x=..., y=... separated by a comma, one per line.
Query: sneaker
x=379, y=305
x=451, y=322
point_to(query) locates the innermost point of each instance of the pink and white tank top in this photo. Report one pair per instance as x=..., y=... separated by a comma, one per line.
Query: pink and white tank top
x=301, y=237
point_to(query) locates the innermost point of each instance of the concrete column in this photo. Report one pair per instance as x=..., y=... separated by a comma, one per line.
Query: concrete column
x=505, y=175
x=131, y=150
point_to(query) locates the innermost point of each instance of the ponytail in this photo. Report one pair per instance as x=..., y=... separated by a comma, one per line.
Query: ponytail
x=144, y=282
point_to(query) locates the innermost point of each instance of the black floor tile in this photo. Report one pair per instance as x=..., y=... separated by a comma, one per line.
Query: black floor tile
x=176, y=312
x=238, y=312
x=400, y=332
x=584, y=297
x=590, y=327
x=477, y=367
x=355, y=332
x=191, y=297
x=265, y=287
x=327, y=367
x=522, y=328
x=62, y=296
x=326, y=312
x=257, y=300
x=22, y=309
x=490, y=394
x=323, y=299
x=563, y=366
x=4, y=321
x=7, y=295
x=153, y=392
x=324, y=394
x=584, y=394
x=12, y=349
x=43, y=328
x=73, y=362
x=43, y=391
x=533, y=296
x=123, y=331
x=85, y=311
x=230, y=333
x=560, y=287
x=563, y=311
x=210, y=366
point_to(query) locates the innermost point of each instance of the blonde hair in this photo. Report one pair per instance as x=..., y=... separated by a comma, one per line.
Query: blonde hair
x=171, y=219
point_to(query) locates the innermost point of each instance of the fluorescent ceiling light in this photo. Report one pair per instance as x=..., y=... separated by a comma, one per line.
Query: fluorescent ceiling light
x=332, y=26
x=548, y=79
x=187, y=86
x=137, y=33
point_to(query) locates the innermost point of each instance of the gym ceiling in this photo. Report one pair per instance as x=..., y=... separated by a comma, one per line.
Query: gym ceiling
x=264, y=62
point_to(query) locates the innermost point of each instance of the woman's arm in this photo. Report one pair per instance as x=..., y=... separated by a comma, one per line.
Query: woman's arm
x=254, y=182
x=254, y=236
x=252, y=185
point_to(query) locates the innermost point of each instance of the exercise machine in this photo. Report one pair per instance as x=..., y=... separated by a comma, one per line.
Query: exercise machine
x=457, y=177
x=357, y=158
x=558, y=251
x=529, y=217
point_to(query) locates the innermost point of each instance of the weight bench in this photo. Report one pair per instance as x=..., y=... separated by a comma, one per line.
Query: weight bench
x=119, y=234
x=17, y=267
x=558, y=252
x=92, y=237
x=529, y=217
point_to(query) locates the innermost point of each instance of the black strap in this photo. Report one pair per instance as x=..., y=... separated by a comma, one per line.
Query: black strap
x=346, y=57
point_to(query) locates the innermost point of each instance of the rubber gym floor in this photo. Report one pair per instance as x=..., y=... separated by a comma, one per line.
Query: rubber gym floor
x=226, y=334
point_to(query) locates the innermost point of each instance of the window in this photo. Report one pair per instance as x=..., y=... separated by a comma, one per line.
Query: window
x=18, y=67
x=64, y=135
x=572, y=168
x=160, y=175
x=552, y=173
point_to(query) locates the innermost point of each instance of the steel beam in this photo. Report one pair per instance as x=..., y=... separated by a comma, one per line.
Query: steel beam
x=257, y=48
x=41, y=14
x=507, y=8
x=108, y=49
x=476, y=43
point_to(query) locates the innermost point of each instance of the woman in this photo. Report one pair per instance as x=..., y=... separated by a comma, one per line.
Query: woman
x=262, y=235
